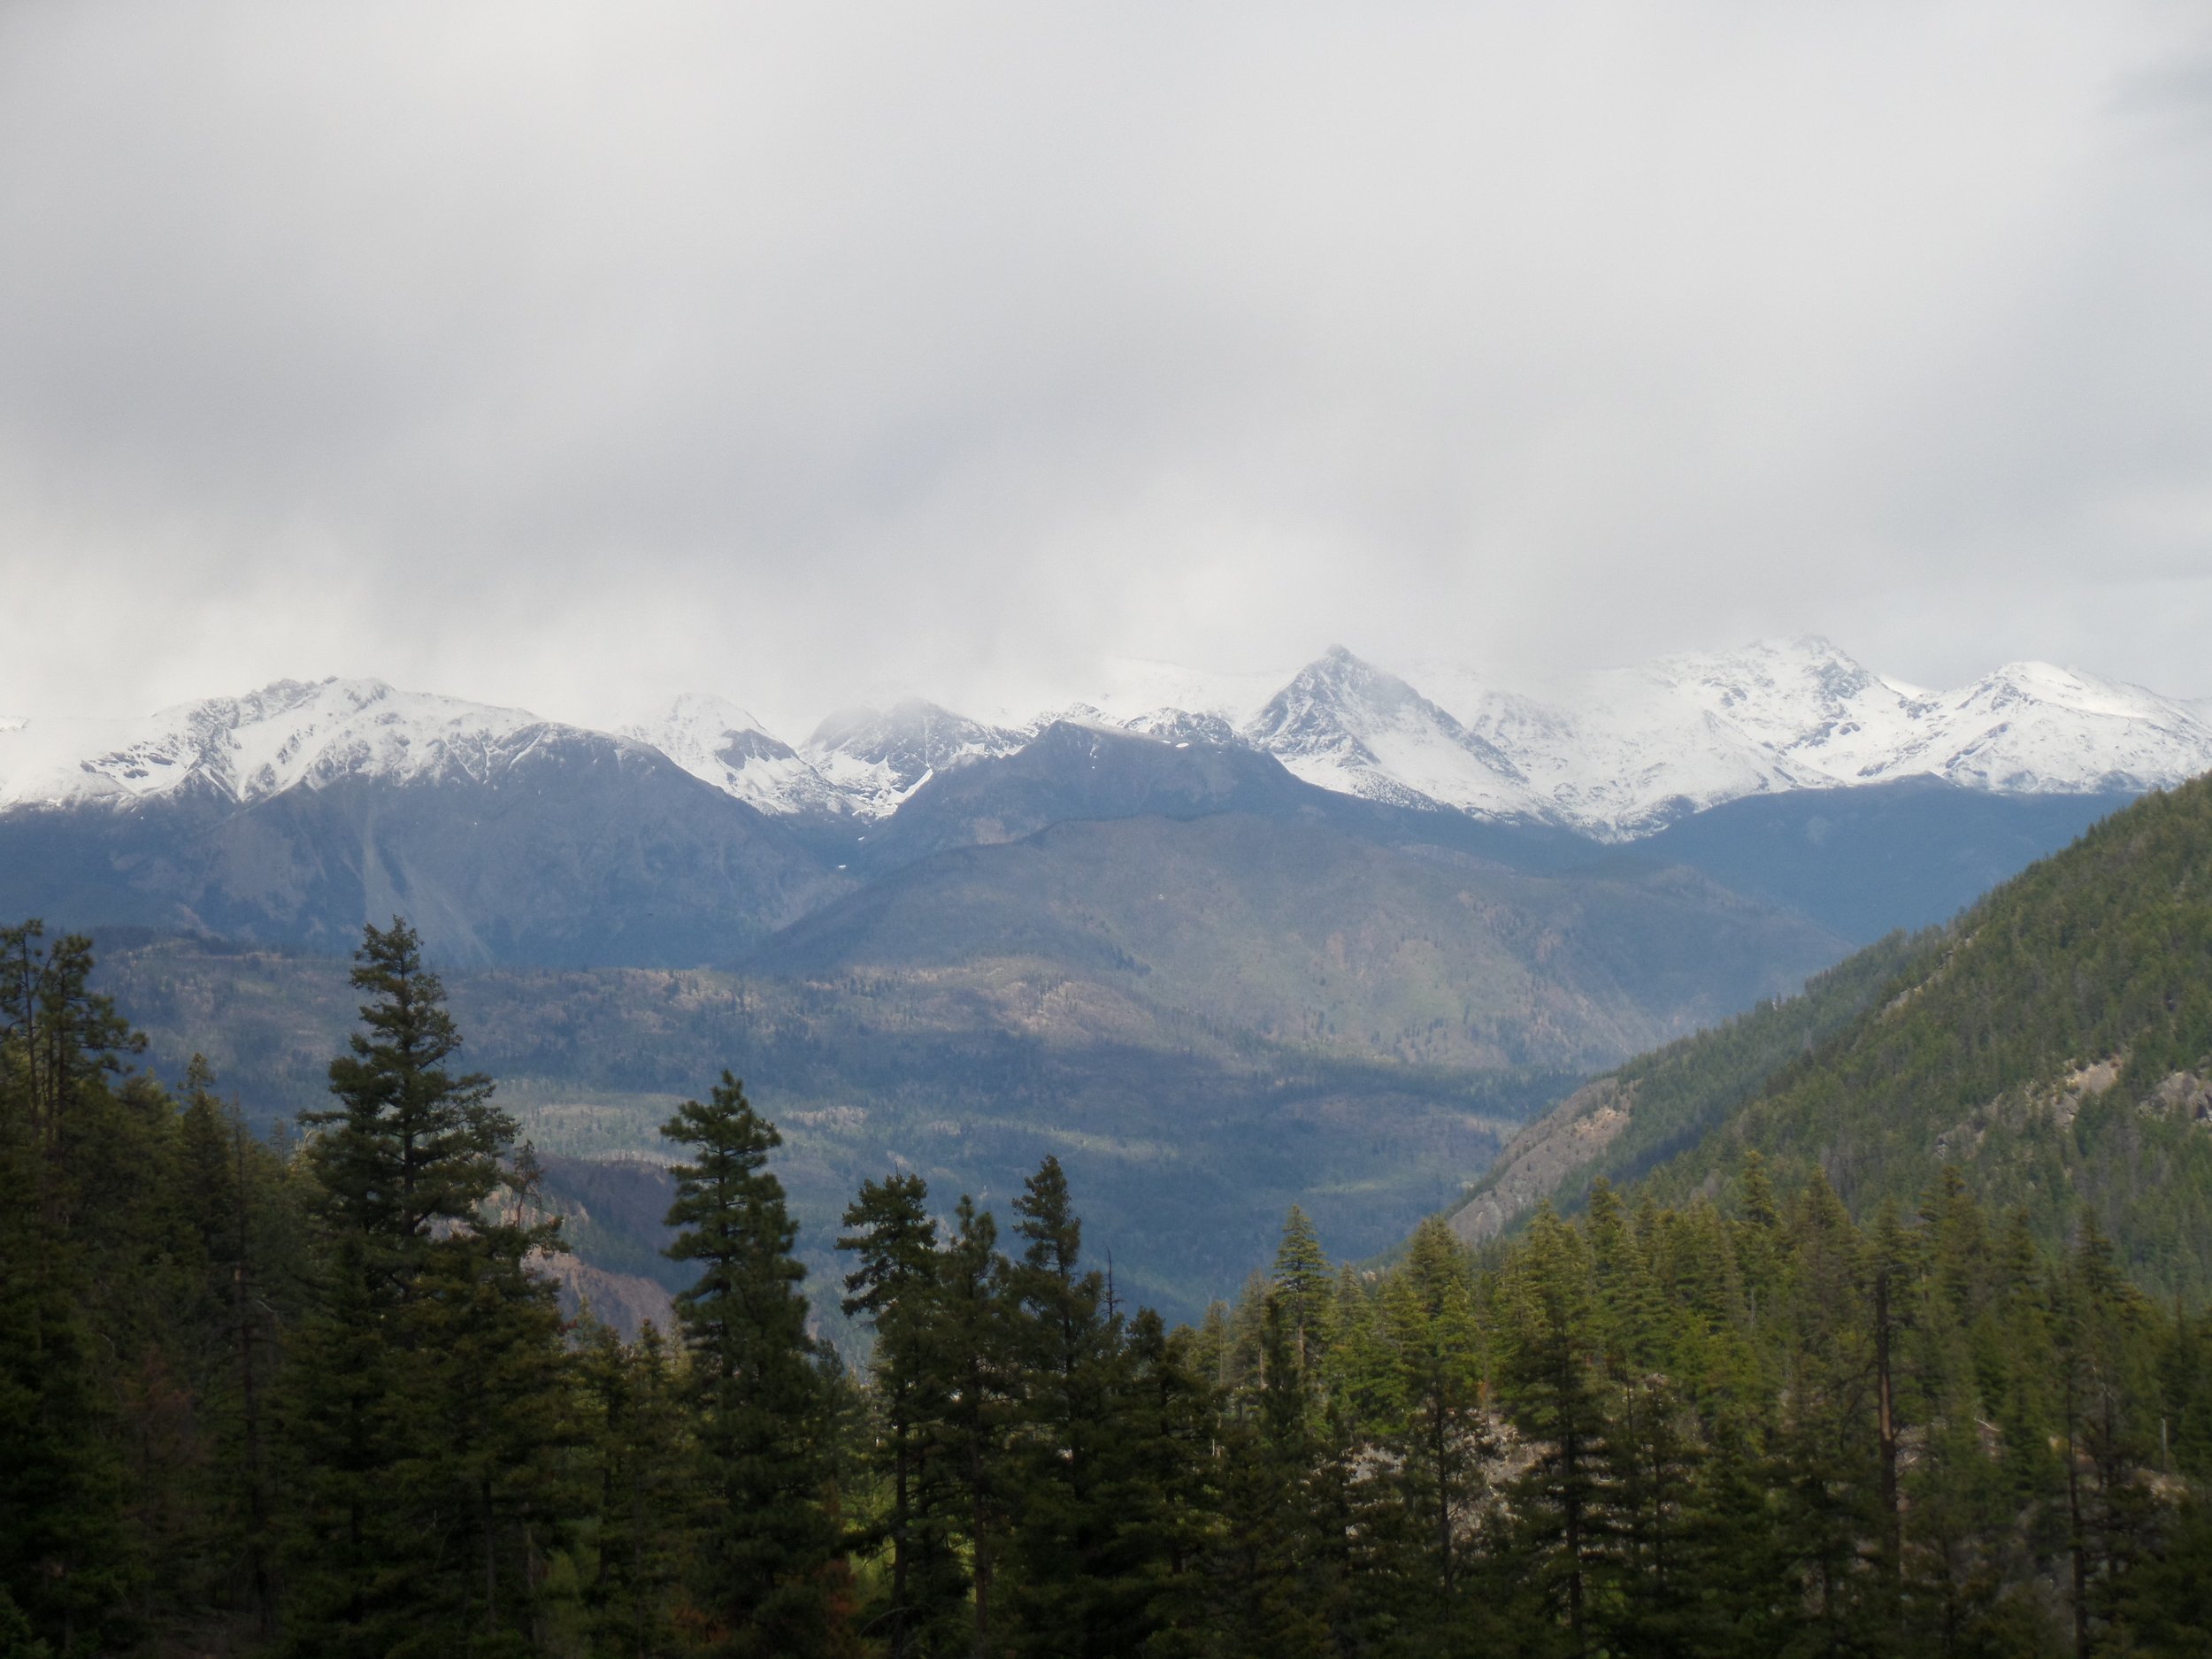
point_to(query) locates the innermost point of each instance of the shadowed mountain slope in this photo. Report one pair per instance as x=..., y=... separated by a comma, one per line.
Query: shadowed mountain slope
x=565, y=847
x=1865, y=860
x=1300, y=932
x=1072, y=772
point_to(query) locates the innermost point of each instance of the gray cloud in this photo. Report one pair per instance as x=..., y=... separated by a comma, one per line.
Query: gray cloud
x=570, y=356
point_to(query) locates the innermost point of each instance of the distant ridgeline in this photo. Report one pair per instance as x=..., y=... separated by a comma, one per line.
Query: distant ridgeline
x=322, y=1399
x=2054, y=1044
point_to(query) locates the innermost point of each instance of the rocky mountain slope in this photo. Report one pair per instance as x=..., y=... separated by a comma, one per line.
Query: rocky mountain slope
x=1299, y=932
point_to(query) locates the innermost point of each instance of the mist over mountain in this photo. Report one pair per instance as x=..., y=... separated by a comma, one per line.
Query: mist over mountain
x=1615, y=757
x=1151, y=931
x=1785, y=772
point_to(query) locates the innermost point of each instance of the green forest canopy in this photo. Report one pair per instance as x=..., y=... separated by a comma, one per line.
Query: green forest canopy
x=324, y=1402
x=2054, y=1042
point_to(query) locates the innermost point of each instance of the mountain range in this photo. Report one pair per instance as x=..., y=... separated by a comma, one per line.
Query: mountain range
x=1219, y=944
x=1785, y=772
x=1618, y=756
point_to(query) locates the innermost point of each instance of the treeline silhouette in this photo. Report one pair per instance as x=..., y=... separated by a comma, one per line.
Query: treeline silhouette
x=319, y=1398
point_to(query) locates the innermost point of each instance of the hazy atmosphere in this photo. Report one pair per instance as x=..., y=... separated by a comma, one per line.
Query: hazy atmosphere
x=547, y=356
x=1106, y=832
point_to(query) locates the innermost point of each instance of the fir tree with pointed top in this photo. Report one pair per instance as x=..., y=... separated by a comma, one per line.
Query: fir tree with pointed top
x=1302, y=1285
x=1067, y=1346
x=975, y=1319
x=766, y=1542
x=640, y=1470
x=896, y=1288
x=1550, y=1380
x=422, y=1392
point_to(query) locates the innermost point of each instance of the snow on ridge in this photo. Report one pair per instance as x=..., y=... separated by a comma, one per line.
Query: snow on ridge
x=283, y=735
x=1624, y=752
x=1133, y=688
x=1343, y=724
x=2033, y=729
x=875, y=758
x=1617, y=754
x=720, y=743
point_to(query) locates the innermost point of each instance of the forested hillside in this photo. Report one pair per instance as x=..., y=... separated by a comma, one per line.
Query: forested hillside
x=2054, y=1043
x=1621, y=1125
x=322, y=1401
x=1187, y=1134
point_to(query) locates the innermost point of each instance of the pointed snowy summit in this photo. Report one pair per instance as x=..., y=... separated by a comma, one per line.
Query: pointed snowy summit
x=719, y=742
x=287, y=735
x=1345, y=725
x=874, y=758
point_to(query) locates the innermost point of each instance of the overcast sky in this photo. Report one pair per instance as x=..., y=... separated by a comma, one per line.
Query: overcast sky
x=571, y=357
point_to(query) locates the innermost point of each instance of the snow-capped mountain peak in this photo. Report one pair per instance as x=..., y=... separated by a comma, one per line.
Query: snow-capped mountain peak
x=874, y=758
x=1618, y=753
x=718, y=742
x=1623, y=752
x=1343, y=724
x=286, y=735
x=2033, y=729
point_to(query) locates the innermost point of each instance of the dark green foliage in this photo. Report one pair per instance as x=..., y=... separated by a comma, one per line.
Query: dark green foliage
x=1682, y=1092
x=899, y=1288
x=424, y=1392
x=1984, y=1051
x=2054, y=1042
x=1066, y=1349
x=639, y=1478
x=64, y=1548
x=323, y=1403
x=763, y=1574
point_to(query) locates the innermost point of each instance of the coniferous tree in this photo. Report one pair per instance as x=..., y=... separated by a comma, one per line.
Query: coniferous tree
x=766, y=1541
x=1827, y=1431
x=1279, y=1560
x=981, y=1380
x=1549, y=1380
x=641, y=1472
x=1302, y=1285
x=423, y=1387
x=1428, y=1313
x=237, y=1204
x=63, y=1549
x=1062, y=1597
x=1647, y=1460
x=896, y=1288
x=1155, y=1485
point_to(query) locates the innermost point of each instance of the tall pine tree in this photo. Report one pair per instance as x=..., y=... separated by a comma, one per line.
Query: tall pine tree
x=766, y=1541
